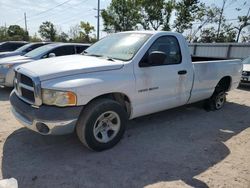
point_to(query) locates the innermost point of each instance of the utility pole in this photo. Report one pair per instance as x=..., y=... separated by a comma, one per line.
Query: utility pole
x=98, y=19
x=25, y=22
x=221, y=13
x=5, y=29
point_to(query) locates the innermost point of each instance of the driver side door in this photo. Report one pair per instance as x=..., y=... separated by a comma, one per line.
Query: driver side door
x=164, y=85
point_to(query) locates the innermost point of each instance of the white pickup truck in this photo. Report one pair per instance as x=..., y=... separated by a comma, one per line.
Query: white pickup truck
x=121, y=77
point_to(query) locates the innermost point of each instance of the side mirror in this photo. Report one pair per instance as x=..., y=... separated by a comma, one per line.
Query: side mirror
x=156, y=58
x=51, y=55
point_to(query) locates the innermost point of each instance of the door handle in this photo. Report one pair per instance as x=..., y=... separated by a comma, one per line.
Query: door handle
x=182, y=72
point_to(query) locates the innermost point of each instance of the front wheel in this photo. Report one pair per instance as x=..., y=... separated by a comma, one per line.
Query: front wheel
x=102, y=124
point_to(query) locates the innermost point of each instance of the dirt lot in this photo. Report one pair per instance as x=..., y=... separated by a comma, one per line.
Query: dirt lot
x=183, y=147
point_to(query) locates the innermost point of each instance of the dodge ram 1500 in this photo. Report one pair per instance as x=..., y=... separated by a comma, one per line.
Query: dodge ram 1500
x=123, y=76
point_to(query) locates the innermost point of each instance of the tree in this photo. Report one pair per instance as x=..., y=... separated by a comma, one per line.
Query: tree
x=168, y=9
x=244, y=21
x=156, y=14
x=121, y=15
x=87, y=29
x=3, y=33
x=15, y=32
x=74, y=32
x=48, y=31
x=186, y=13
x=209, y=35
x=63, y=37
x=205, y=15
x=35, y=38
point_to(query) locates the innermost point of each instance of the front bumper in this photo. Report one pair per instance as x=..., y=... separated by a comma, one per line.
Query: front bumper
x=7, y=77
x=3, y=73
x=245, y=79
x=46, y=120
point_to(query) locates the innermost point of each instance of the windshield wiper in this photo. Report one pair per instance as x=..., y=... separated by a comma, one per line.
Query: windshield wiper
x=97, y=55
x=110, y=59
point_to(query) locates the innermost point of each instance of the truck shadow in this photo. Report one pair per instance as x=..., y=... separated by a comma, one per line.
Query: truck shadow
x=177, y=144
x=245, y=87
x=5, y=93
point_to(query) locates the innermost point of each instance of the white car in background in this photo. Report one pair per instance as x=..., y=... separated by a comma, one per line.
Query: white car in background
x=8, y=64
x=246, y=70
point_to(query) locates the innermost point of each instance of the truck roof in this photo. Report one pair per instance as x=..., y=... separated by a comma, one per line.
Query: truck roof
x=152, y=32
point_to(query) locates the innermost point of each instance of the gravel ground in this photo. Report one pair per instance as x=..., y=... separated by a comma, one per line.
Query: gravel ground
x=183, y=147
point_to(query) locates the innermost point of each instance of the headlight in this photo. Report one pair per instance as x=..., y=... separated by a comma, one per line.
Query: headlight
x=6, y=66
x=58, y=98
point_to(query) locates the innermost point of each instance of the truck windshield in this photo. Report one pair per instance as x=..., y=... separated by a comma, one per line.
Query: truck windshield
x=121, y=46
x=39, y=51
x=246, y=61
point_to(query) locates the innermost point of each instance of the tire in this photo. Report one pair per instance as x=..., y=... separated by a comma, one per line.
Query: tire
x=216, y=102
x=101, y=124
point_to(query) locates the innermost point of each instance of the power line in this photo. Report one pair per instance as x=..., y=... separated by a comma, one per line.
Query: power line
x=51, y=8
x=61, y=4
x=55, y=13
x=74, y=17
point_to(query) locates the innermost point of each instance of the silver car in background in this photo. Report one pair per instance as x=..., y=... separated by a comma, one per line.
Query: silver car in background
x=9, y=46
x=24, y=49
x=8, y=64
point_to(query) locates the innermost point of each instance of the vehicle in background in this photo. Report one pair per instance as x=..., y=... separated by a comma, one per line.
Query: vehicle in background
x=8, y=64
x=245, y=78
x=24, y=49
x=11, y=45
x=123, y=76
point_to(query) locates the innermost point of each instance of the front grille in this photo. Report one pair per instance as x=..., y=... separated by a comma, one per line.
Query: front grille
x=28, y=94
x=28, y=89
x=246, y=73
x=26, y=80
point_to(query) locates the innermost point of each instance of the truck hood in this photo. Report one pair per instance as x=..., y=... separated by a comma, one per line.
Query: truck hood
x=246, y=67
x=15, y=60
x=69, y=65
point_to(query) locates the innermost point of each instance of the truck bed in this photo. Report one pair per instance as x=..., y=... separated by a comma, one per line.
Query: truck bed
x=203, y=58
x=208, y=72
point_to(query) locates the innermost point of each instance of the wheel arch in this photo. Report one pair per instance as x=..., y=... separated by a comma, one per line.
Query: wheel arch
x=119, y=97
x=224, y=84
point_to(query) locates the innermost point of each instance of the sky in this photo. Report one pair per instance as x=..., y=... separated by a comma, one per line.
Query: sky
x=66, y=13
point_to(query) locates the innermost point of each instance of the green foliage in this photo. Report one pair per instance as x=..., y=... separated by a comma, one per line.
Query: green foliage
x=86, y=30
x=121, y=15
x=186, y=13
x=227, y=34
x=3, y=34
x=243, y=21
x=13, y=32
x=48, y=31
x=34, y=38
x=156, y=14
x=63, y=37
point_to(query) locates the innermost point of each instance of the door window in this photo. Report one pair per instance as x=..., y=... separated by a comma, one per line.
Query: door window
x=169, y=45
x=80, y=49
x=63, y=50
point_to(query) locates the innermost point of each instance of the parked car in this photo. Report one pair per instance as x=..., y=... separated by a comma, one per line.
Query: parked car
x=245, y=78
x=8, y=64
x=24, y=49
x=11, y=45
x=122, y=76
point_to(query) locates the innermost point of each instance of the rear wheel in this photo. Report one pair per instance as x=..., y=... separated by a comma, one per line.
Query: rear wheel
x=217, y=101
x=102, y=124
